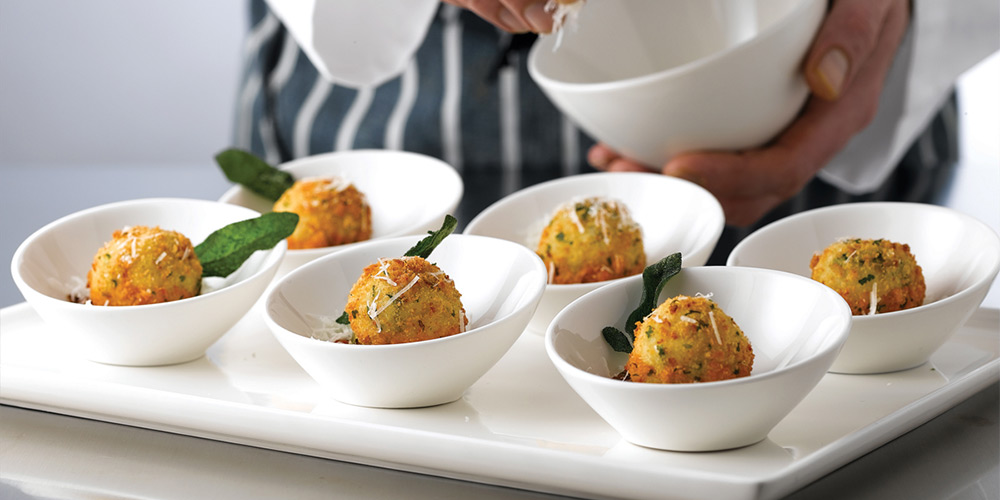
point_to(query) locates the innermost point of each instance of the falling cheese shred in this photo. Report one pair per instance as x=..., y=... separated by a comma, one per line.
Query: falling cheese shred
x=564, y=13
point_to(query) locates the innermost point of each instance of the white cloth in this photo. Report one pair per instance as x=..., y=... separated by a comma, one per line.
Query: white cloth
x=948, y=39
x=357, y=43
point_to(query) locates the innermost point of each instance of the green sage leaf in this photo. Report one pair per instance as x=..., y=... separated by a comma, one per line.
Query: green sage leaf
x=225, y=250
x=654, y=277
x=424, y=247
x=343, y=319
x=617, y=339
x=246, y=169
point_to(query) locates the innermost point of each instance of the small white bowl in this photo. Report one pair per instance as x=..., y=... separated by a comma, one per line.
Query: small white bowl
x=675, y=216
x=500, y=282
x=654, y=78
x=959, y=255
x=56, y=258
x=796, y=328
x=409, y=193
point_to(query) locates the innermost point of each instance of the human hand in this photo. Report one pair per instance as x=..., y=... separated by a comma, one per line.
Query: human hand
x=845, y=69
x=515, y=16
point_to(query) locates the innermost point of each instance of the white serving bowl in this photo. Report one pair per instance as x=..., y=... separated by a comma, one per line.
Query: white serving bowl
x=675, y=216
x=654, y=78
x=796, y=328
x=500, y=282
x=409, y=193
x=56, y=258
x=959, y=255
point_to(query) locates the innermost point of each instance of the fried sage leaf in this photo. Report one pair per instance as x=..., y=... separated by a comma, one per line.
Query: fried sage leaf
x=225, y=250
x=343, y=319
x=424, y=247
x=654, y=277
x=246, y=169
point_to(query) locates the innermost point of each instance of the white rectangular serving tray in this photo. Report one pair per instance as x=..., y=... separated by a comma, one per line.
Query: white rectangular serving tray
x=520, y=425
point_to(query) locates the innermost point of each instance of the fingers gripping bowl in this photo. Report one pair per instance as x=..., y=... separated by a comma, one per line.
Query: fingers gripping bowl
x=500, y=284
x=959, y=257
x=654, y=78
x=55, y=260
x=673, y=215
x=795, y=325
x=408, y=193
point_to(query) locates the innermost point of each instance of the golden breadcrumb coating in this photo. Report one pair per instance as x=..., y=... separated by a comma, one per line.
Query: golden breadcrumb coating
x=142, y=265
x=873, y=276
x=589, y=240
x=331, y=212
x=689, y=339
x=404, y=300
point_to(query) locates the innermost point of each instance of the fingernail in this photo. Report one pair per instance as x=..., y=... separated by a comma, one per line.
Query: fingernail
x=511, y=21
x=540, y=21
x=832, y=72
x=598, y=158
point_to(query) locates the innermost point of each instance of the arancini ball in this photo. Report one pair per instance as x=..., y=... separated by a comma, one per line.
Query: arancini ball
x=873, y=276
x=143, y=265
x=589, y=240
x=331, y=212
x=403, y=300
x=688, y=339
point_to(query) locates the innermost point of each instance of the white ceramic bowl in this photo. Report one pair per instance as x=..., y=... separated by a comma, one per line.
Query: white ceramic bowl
x=500, y=282
x=959, y=255
x=56, y=258
x=408, y=193
x=654, y=78
x=675, y=216
x=796, y=328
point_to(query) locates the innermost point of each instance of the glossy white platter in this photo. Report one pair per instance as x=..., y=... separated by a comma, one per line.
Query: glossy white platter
x=520, y=425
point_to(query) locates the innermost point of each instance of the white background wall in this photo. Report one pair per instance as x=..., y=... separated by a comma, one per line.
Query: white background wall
x=145, y=83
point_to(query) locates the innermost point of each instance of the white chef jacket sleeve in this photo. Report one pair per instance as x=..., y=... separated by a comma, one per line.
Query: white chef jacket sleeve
x=357, y=43
x=945, y=39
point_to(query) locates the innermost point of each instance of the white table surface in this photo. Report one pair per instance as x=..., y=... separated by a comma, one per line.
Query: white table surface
x=42, y=455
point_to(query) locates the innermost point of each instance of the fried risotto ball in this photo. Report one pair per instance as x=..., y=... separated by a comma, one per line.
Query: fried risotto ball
x=593, y=239
x=404, y=300
x=143, y=265
x=688, y=339
x=331, y=212
x=873, y=276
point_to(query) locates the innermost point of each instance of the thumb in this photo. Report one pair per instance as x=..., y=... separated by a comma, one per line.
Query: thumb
x=848, y=35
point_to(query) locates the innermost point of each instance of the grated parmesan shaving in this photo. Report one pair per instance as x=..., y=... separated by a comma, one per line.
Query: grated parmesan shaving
x=575, y=218
x=374, y=315
x=162, y=256
x=331, y=331
x=711, y=317
x=552, y=271
x=373, y=306
x=383, y=272
x=688, y=319
x=78, y=289
x=564, y=13
x=873, y=299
